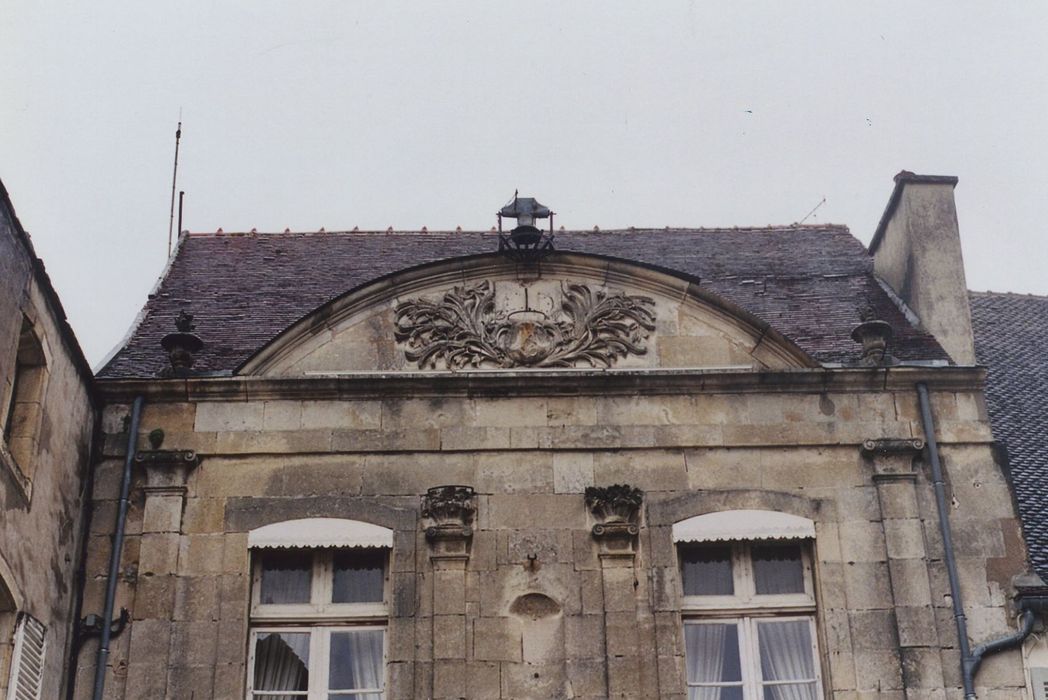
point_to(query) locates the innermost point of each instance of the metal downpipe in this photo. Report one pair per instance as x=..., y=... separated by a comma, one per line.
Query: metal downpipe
x=947, y=539
x=970, y=660
x=1025, y=627
x=114, y=557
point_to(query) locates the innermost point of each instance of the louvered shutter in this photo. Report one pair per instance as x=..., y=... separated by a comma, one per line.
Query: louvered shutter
x=1039, y=680
x=27, y=661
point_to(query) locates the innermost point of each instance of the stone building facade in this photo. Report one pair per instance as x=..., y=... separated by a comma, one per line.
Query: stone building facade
x=639, y=463
x=48, y=420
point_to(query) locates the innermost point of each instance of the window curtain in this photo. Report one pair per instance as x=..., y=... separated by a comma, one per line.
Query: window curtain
x=705, y=655
x=356, y=661
x=359, y=576
x=786, y=655
x=282, y=661
x=778, y=569
x=286, y=577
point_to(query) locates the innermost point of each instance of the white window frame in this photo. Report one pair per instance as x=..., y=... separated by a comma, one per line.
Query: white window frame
x=319, y=618
x=319, y=660
x=322, y=582
x=746, y=608
x=753, y=683
x=745, y=596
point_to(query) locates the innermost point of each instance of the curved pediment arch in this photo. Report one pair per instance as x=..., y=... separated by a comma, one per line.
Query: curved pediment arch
x=486, y=313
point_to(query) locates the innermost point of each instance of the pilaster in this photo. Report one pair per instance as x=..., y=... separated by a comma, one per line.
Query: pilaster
x=892, y=460
x=166, y=472
x=615, y=510
x=449, y=510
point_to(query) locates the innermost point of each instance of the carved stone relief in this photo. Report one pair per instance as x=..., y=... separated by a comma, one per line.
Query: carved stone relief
x=464, y=328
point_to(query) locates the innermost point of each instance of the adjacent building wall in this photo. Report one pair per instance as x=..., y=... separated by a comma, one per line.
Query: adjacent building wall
x=530, y=444
x=44, y=453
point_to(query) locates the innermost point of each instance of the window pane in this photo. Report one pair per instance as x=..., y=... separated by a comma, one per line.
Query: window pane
x=359, y=576
x=355, y=696
x=712, y=653
x=707, y=570
x=778, y=568
x=786, y=653
x=282, y=661
x=791, y=691
x=356, y=660
x=286, y=577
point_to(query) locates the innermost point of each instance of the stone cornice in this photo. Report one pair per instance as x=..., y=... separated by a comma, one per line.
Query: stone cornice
x=534, y=382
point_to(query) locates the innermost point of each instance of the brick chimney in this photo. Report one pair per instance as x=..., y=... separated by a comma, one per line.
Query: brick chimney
x=917, y=251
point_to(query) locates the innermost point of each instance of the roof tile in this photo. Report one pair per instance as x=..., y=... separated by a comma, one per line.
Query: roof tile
x=811, y=283
x=1011, y=337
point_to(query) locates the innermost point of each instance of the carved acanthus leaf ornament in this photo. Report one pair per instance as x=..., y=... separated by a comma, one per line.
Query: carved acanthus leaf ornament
x=463, y=329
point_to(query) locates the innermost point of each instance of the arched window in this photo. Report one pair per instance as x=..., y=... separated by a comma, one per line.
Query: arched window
x=319, y=609
x=25, y=400
x=748, y=605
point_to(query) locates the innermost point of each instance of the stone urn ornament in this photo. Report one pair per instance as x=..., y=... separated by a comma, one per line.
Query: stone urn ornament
x=875, y=336
x=182, y=346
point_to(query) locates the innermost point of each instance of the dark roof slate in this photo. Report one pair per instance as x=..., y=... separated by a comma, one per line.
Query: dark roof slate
x=1011, y=339
x=811, y=283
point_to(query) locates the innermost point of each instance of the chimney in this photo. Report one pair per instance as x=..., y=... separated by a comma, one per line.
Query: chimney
x=917, y=251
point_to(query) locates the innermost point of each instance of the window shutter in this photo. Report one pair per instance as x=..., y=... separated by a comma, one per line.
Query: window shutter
x=27, y=661
x=1039, y=681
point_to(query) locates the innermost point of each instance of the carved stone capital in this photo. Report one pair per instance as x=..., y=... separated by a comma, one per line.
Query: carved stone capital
x=615, y=508
x=450, y=510
x=892, y=457
x=166, y=470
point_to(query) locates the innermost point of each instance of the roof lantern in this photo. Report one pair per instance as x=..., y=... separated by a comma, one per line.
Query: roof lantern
x=526, y=242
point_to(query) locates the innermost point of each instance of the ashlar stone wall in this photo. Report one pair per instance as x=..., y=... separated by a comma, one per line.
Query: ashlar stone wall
x=536, y=611
x=45, y=452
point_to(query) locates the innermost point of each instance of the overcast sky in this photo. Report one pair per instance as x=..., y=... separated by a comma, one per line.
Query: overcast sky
x=411, y=114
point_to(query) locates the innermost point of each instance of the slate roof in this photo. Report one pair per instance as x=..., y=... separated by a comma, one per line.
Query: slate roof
x=811, y=283
x=1011, y=339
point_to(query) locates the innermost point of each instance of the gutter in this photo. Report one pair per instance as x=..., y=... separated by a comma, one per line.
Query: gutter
x=970, y=659
x=114, y=557
x=80, y=575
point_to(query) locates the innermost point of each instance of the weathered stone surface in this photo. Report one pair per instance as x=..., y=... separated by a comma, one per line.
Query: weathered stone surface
x=518, y=512
x=220, y=416
x=197, y=598
x=449, y=679
x=609, y=628
x=497, y=639
x=572, y=472
x=158, y=553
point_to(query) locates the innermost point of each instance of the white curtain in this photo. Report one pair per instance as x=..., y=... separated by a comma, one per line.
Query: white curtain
x=778, y=569
x=282, y=661
x=705, y=655
x=356, y=660
x=786, y=654
x=286, y=577
x=358, y=577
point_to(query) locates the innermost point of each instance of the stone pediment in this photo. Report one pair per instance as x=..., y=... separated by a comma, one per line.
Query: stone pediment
x=487, y=314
